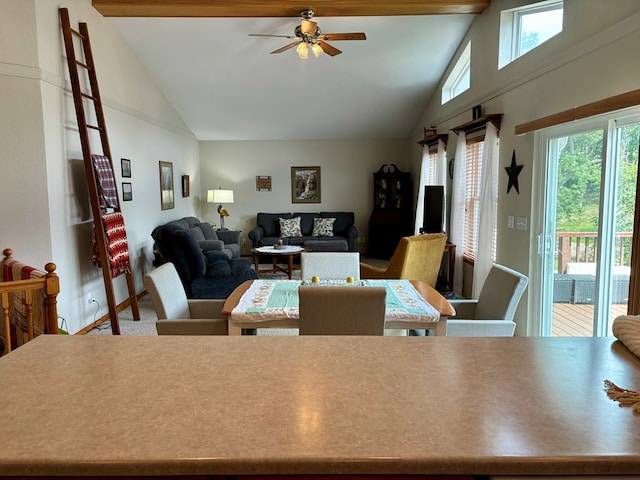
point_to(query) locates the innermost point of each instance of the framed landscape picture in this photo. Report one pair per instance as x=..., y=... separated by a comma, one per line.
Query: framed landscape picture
x=305, y=185
x=125, y=166
x=127, y=192
x=167, y=200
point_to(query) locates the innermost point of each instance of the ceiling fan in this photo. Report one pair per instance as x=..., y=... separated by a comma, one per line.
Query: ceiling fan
x=308, y=36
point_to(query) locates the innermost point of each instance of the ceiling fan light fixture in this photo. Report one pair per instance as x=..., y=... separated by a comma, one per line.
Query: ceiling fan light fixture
x=317, y=49
x=302, y=50
x=307, y=27
x=307, y=36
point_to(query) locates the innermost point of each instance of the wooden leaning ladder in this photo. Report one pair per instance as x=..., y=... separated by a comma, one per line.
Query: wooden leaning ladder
x=83, y=128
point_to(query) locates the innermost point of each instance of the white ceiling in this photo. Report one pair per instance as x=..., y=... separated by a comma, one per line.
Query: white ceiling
x=227, y=86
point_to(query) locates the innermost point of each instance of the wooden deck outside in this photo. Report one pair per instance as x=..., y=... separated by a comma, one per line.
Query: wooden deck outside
x=571, y=320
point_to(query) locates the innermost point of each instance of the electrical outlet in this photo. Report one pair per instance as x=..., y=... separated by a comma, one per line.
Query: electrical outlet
x=91, y=298
x=510, y=221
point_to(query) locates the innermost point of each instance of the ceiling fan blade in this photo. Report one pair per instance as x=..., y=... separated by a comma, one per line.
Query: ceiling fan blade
x=343, y=36
x=329, y=49
x=286, y=47
x=265, y=35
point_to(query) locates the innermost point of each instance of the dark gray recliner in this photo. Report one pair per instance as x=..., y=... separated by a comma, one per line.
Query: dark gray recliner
x=227, y=241
x=208, y=274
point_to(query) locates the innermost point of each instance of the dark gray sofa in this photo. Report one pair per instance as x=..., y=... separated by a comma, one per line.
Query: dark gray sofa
x=267, y=231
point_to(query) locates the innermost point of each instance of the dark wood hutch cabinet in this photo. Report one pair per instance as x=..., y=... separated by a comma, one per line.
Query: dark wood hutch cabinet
x=392, y=215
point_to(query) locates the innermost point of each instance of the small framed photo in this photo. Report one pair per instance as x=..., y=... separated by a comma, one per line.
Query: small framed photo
x=185, y=186
x=167, y=200
x=305, y=185
x=127, y=192
x=263, y=183
x=125, y=165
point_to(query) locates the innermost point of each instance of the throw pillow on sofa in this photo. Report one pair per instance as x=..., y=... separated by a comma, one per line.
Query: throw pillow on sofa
x=290, y=227
x=323, y=227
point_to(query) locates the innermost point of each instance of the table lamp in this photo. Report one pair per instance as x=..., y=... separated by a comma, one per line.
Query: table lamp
x=220, y=196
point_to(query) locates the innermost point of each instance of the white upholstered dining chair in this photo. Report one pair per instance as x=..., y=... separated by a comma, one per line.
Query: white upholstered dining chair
x=330, y=265
x=341, y=310
x=177, y=314
x=491, y=315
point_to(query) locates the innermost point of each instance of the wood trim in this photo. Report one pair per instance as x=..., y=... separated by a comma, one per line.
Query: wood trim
x=105, y=318
x=479, y=123
x=284, y=8
x=433, y=139
x=611, y=104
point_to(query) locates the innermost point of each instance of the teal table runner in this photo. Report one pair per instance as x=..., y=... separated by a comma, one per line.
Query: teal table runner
x=278, y=299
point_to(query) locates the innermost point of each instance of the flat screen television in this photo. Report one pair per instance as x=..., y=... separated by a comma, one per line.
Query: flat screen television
x=433, y=213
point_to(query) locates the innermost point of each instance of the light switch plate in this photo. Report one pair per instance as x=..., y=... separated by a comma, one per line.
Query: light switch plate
x=510, y=221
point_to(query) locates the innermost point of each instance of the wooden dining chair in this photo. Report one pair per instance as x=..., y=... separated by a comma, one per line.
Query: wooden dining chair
x=341, y=310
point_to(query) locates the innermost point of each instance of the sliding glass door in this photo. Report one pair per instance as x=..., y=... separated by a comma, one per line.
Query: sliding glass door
x=586, y=224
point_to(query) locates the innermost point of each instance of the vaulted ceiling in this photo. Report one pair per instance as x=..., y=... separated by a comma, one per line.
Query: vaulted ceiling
x=227, y=86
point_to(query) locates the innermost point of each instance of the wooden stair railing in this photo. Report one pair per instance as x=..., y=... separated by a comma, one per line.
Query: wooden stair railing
x=10, y=293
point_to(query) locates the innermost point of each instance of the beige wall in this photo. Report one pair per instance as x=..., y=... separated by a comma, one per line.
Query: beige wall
x=46, y=214
x=346, y=177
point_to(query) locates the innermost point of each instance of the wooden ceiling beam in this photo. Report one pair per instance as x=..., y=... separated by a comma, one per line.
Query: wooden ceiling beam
x=284, y=8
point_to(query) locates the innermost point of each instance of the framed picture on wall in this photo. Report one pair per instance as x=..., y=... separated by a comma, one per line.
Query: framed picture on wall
x=167, y=200
x=125, y=166
x=127, y=192
x=185, y=186
x=263, y=183
x=305, y=185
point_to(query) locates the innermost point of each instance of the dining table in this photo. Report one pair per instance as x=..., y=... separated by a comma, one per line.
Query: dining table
x=430, y=313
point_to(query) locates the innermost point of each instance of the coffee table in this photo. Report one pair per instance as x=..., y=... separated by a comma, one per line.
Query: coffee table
x=288, y=252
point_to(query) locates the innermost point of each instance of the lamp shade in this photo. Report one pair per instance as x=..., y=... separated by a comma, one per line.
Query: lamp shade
x=220, y=196
x=302, y=50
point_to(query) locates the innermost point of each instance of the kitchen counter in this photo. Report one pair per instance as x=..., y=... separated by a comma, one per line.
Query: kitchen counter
x=183, y=405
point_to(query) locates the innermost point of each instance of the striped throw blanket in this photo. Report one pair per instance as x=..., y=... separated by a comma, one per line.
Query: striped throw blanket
x=13, y=270
x=117, y=246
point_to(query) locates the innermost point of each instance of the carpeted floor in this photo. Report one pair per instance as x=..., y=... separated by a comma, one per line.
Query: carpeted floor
x=146, y=324
x=128, y=326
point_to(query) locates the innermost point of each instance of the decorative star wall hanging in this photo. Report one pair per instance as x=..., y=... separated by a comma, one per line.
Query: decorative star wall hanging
x=513, y=171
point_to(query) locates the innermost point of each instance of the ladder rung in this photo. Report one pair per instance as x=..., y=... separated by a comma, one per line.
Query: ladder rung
x=83, y=65
x=90, y=97
x=78, y=33
x=94, y=127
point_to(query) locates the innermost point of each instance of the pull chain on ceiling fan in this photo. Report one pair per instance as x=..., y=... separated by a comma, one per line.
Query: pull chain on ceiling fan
x=308, y=36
